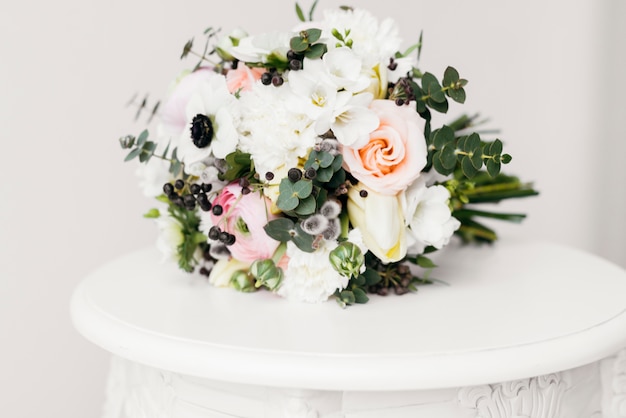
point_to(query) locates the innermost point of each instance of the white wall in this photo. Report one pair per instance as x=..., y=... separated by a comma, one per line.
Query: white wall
x=548, y=74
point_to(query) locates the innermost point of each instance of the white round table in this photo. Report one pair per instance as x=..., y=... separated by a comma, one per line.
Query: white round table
x=519, y=329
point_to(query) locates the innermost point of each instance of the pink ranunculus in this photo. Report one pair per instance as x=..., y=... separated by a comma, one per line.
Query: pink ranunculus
x=244, y=216
x=396, y=152
x=173, y=111
x=242, y=78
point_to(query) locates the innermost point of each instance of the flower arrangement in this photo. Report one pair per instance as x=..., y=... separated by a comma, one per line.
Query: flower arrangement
x=304, y=162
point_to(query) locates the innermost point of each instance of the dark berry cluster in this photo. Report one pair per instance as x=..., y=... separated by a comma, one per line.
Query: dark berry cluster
x=272, y=76
x=402, y=91
x=399, y=283
x=245, y=185
x=188, y=197
x=216, y=234
x=295, y=174
x=295, y=60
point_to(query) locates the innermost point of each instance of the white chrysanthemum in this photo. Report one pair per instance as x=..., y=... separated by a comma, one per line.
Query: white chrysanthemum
x=372, y=40
x=309, y=277
x=273, y=131
x=213, y=100
x=170, y=236
x=428, y=216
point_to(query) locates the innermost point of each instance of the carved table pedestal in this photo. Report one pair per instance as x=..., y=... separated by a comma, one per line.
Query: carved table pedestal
x=520, y=329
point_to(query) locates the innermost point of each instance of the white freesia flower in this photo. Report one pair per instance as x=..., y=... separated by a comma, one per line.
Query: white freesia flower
x=226, y=44
x=317, y=94
x=212, y=99
x=169, y=238
x=352, y=121
x=428, y=216
x=309, y=277
x=273, y=131
x=345, y=69
x=259, y=47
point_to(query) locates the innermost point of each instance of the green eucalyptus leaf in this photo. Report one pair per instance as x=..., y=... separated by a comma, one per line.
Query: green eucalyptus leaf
x=447, y=156
x=325, y=158
x=316, y=51
x=476, y=158
x=324, y=175
x=175, y=168
x=458, y=95
x=435, y=92
x=359, y=280
x=134, y=153
x=439, y=167
x=302, y=240
x=372, y=277
x=338, y=178
x=468, y=168
x=143, y=136
x=306, y=206
x=298, y=44
x=337, y=162
x=443, y=136
x=300, y=13
x=495, y=147
x=506, y=158
x=359, y=295
x=493, y=167
x=301, y=189
x=441, y=107
x=450, y=77
x=287, y=202
x=347, y=296
x=425, y=262
x=280, y=229
x=312, y=35
x=427, y=80
x=473, y=142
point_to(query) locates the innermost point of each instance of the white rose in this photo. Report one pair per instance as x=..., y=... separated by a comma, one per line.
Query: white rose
x=224, y=269
x=380, y=219
x=428, y=216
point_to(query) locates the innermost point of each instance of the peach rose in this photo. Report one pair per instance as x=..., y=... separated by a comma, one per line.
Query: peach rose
x=396, y=152
x=242, y=78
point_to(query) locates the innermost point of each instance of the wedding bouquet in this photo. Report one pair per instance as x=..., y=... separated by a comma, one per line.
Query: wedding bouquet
x=304, y=162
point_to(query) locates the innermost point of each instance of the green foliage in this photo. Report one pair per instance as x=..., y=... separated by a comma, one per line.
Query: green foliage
x=300, y=13
x=239, y=165
x=296, y=197
x=193, y=240
x=285, y=230
x=304, y=43
x=448, y=153
x=145, y=150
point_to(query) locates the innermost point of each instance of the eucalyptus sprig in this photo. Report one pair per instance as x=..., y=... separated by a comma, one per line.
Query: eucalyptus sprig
x=143, y=149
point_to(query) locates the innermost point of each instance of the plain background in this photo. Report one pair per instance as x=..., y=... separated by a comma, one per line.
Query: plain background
x=549, y=75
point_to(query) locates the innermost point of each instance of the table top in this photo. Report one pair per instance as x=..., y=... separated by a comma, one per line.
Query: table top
x=509, y=311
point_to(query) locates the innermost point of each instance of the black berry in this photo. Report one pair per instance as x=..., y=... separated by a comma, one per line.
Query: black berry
x=214, y=233
x=168, y=189
x=179, y=184
x=218, y=210
x=363, y=193
x=195, y=188
x=294, y=174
